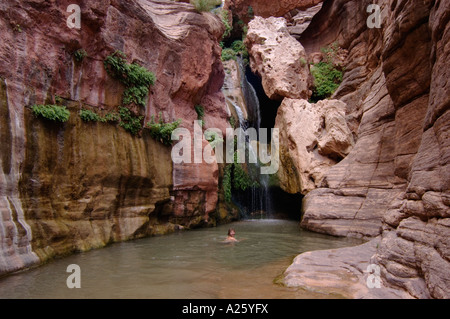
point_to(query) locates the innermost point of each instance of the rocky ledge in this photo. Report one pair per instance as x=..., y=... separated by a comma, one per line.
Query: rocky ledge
x=394, y=184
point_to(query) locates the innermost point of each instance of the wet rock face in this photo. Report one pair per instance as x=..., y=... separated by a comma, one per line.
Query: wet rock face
x=86, y=185
x=279, y=59
x=395, y=181
x=74, y=186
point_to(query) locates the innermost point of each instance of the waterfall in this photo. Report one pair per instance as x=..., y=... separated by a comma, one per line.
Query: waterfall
x=240, y=114
x=256, y=202
x=260, y=195
x=251, y=98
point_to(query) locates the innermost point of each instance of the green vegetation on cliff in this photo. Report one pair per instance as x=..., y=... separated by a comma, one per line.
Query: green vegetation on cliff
x=237, y=49
x=226, y=22
x=233, y=38
x=136, y=78
x=89, y=116
x=79, y=55
x=55, y=113
x=132, y=123
x=236, y=178
x=129, y=121
x=200, y=110
x=214, y=138
x=226, y=182
x=162, y=131
x=228, y=54
x=327, y=75
x=205, y=5
x=327, y=79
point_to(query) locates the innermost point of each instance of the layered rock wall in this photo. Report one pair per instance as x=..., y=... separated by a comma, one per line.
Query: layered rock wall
x=395, y=181
x=266, y=9
x=74, y=186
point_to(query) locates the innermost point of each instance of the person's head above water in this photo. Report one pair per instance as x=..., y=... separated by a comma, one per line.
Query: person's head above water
x=231, y=238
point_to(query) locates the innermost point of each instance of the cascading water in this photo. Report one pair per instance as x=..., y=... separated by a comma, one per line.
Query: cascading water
x=240, y=114
x=260, y=195
x=256, y=201
x=251, y=98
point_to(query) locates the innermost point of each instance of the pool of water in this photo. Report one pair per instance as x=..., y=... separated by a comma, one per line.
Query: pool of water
x=189, y=264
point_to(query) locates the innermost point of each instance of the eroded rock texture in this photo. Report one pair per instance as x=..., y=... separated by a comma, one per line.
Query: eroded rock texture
x=267, y=9
x=279, y=59
x=74, y=186
x=313, y=138
x=395, y=182
x=299, y=20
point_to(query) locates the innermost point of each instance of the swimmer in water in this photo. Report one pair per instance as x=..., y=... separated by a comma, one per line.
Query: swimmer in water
x=231, y=238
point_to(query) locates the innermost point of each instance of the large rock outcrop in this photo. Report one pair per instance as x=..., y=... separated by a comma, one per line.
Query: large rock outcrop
x=395, y=182
x=313, y=138
x=341, y=272
x=278, y=58
x=74, y=186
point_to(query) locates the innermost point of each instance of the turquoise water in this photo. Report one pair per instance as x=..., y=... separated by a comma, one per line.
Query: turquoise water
x=189, y=264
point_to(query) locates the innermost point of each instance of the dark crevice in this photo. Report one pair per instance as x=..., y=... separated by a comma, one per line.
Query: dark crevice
x=268, y=107
x=273, y=203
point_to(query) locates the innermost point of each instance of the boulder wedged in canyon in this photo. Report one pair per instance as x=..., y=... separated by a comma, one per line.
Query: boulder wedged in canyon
x=73, y=186
x=278, y=58
x=313, y=137
x=395, y=181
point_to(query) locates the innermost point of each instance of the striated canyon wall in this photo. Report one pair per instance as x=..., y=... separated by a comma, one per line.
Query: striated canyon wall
x=74, y=186
x=246, y=9
x=395, y=182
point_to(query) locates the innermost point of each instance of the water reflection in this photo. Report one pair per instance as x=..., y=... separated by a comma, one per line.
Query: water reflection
x=192, y=264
